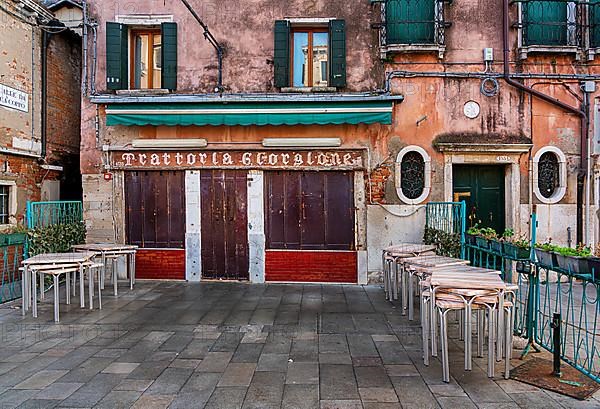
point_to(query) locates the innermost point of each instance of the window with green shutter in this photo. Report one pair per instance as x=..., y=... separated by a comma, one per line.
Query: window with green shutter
x=152, y=61
x=549, y=23
x=411, y=21
x=594, y=7
x=310, y=56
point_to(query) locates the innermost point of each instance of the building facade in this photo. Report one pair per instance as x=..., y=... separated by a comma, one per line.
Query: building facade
x=39, y=109
x=291, y=141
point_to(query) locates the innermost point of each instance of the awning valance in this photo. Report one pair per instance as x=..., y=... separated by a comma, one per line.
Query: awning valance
x=245, y=114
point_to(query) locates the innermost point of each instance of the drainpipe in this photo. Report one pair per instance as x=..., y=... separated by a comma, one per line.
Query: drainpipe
x=581, y=113
x=44, y=131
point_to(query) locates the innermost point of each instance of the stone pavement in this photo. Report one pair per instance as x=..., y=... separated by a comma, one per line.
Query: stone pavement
x=235, y=345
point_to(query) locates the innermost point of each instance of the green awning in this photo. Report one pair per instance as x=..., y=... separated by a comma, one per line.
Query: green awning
x=245, y=114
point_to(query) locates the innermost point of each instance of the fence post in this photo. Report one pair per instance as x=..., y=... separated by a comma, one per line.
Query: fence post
x=463, y=227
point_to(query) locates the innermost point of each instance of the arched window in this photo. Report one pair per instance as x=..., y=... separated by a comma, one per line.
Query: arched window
x=413, y=175
x=549, y=175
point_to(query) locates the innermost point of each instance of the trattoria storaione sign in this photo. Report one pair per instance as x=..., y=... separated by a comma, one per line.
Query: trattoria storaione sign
x=339, y=159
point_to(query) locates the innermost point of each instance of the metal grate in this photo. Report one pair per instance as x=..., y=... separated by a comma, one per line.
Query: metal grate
x=552, y=22
x=412, y=170
x=413, y=22
x=548, y=174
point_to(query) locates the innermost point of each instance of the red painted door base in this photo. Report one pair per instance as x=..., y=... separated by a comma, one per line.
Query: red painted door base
x=160, y=264
x=312, y=266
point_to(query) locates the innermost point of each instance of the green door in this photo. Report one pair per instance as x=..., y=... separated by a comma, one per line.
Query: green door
x=482, y=188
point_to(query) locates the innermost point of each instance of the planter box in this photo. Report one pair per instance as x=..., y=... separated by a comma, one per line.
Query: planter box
x=496, y=246
x=594, y=267
x=578, y=265
x=483, y=243
x=12, y=239
x=515, y=252
x=545, y=258
x=562, y=262
x=470, y=239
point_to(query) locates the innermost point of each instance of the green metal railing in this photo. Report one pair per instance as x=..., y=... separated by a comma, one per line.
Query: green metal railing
x=12, y=247
x=43, y=214
x=445, y=224
x=543, y=291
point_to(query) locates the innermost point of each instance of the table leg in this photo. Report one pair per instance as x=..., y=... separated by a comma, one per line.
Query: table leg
x=74, y=287
x=34, y=293
x=42, y=286
x=103, y=272
x=130, y=269
x=68, y=287
x=411, y=308
x=24, y=286
x=56, y=298
x=133, y=266
x=81, y=285
x=99, y=271
x=501, y=326
x=91, y=287
x=115, y=279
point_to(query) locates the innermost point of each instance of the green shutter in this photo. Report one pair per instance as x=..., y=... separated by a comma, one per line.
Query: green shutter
x=545, y=23
x=595, y=23
x=410, y=21
x=337, y=53
x=281, y=58
x=169, y=56
x=116, y=56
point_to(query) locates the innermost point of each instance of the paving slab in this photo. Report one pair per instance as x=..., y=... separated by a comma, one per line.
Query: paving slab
x=300, y=396
x=237, y=374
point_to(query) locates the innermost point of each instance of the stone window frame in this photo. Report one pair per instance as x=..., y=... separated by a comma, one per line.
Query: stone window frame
x=561, y=190
x=427, y=171
x=12, y=202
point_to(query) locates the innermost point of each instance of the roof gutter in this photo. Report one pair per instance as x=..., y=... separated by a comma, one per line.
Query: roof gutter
x=582, y=113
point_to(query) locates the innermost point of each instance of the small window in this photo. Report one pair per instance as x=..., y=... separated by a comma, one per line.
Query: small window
x=410, y=21
x=310, y=57
x=548, y=174
x=413, y=175
x=4, y=204
x=146, y=59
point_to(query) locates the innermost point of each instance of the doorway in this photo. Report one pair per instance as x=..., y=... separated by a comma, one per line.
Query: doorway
x=224, y=224
x=482, y=188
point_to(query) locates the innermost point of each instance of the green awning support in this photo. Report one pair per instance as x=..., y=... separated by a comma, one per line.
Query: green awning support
x=246, y=114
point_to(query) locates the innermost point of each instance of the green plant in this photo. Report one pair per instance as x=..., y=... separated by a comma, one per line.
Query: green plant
x=447, y=244
x=474, y=231
x=488, y=233
x=56, y=238
x=508, y=234
x=548, y=246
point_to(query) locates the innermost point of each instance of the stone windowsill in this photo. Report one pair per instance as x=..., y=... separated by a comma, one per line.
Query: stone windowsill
x=308, y=90
x=412, y=48
x=567, y=49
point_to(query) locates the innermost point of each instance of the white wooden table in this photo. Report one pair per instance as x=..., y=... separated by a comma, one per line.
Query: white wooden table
x=64, y=260
x=112, y=251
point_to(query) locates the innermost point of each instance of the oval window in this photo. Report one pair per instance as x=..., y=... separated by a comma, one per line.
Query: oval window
x=412, y=171
x=548, y=174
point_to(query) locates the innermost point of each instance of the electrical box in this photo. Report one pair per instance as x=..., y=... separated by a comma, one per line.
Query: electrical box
x=488, y=54
x=589, y=86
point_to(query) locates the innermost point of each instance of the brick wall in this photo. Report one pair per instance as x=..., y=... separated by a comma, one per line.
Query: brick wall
x=160, y=264
x=64, y=110
x=311, y=266
x=378, y=180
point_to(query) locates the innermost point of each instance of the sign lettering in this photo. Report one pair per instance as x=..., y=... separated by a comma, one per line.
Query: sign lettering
x=13, y=98
x=238, y=159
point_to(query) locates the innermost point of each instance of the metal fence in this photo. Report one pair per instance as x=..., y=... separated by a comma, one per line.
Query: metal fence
x=445, y=224
x=12, y=247
x=44, y=214
x=544, y=291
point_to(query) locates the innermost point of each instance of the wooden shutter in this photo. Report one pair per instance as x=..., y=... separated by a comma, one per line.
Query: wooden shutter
x=169, y=56
x=545, y=23
x=337, y=53
x=117, y=52
x=281, y=58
